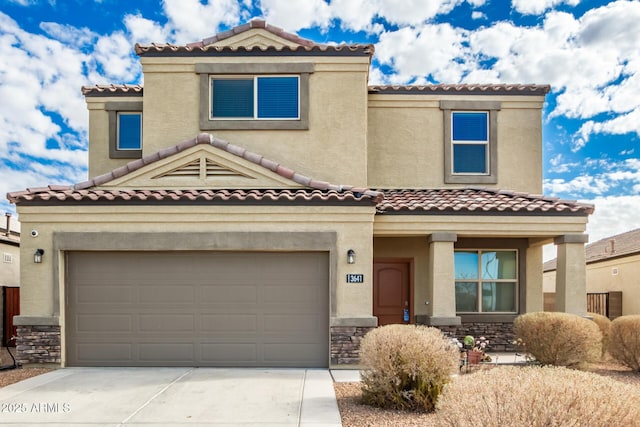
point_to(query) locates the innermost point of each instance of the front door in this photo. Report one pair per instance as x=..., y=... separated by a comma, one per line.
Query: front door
x=392, y=292
x=11, y=304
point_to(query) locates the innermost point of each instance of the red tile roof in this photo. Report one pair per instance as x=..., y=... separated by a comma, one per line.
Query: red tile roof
x=316, y=191
x=479, y=89
x=620, y=245
x=205, y=46
x=259, y=196
x=112, y=90
x=477, y=201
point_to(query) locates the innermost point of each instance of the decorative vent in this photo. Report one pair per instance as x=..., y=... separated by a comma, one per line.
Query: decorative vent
x=202, y=168
x=7, y=258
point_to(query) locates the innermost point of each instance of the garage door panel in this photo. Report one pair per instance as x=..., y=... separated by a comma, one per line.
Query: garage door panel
x=166, y=352
x=91, y=323
x=232, y=323
x=163, y=322
x=197, y=309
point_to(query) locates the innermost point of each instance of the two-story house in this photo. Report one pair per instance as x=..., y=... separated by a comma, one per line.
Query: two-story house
x=256, y=203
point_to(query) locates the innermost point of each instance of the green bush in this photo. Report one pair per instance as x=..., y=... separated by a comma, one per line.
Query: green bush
x=604, y=324
x=559, y=339
x=406, y=367
x=537, y=397
x=624, y=341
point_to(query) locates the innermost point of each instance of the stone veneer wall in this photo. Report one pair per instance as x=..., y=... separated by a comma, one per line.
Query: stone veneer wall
x=500, y=335
x=38, y=344
x=345, y=344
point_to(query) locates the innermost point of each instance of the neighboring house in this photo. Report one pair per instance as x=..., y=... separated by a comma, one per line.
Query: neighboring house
x=9, y=278
x=613, y=272
x=258, y=204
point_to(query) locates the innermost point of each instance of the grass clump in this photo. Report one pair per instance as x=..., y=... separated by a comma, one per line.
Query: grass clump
x=624, y=341
x=537, y=396
x=406, y=367
x=604, y=324
x=559, y=339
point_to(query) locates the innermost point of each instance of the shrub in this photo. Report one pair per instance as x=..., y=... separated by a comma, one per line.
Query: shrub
x=406, y=367
x=559, y=339
x=538, y=397
x=604, y=324
x=624, y=341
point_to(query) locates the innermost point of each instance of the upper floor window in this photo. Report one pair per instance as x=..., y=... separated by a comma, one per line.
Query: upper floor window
x=471, y=141
x=486, y=281
x=256, y=97
x=129, y=130
x=125, y=129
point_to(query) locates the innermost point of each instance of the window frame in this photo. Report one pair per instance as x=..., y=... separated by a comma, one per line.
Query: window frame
x=254, y=78
x=119, y=114
x=301, y=70
x=480, y=281
x=114, y=109
x=491, y=174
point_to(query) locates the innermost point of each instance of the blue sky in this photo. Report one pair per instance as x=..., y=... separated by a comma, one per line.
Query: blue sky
x=587, y=50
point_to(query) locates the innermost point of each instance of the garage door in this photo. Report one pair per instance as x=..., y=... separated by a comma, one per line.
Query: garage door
x=197, y=309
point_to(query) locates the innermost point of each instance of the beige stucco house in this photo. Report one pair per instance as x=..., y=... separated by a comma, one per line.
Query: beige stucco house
x=257, y=203
x=612, y=272
x=9, y=277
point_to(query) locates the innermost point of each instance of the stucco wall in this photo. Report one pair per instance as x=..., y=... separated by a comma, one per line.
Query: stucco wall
x=332, y=149
x=406, y=141
x=43, y=284
x=10, y=271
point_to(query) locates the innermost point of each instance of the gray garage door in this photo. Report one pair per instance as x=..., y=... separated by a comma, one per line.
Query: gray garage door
x=197, y=309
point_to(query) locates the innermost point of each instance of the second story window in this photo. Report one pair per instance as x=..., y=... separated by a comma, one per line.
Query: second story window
x=129, y=131
x=470, y=142
x=256, y=97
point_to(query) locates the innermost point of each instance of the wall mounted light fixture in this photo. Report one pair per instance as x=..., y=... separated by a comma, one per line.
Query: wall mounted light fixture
x=351, y=256
x=37, y=256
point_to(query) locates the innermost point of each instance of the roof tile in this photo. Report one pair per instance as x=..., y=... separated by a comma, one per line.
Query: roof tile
x=480, y=89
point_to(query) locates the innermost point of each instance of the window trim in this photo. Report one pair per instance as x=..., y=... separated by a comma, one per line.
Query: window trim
x=255, y=78
x=479, y=281
x=301, y=70
x=113, y=108
x=492, y=108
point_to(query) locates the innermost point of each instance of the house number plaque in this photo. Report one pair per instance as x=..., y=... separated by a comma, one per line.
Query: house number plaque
x=355, y=278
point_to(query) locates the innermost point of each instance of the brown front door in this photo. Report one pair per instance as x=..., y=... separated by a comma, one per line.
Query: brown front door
x=11, y=304
x=392, y=292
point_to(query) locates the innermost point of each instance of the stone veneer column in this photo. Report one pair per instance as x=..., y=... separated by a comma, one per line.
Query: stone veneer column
x=441, y=282
x=38, y=340
x=571, y=276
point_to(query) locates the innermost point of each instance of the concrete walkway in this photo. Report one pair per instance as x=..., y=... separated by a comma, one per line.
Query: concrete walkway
x=172, y=397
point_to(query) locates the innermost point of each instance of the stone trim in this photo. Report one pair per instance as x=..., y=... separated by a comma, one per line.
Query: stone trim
x=355, y=321
x=38, y=344
x=36, y=321
x=345, y=344
x=422, y=319
x=442, y=237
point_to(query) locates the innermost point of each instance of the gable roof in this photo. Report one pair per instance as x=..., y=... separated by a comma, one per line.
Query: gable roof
x=478, y=201
x=208, y=47
x=620, y=245
x=93, y=189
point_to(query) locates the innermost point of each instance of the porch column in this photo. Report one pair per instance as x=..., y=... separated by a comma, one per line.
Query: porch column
x=534, y=292
x=571, y=277
x=441, y=281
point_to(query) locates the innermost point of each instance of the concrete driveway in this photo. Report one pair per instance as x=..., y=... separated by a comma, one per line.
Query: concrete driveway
x=172, y=396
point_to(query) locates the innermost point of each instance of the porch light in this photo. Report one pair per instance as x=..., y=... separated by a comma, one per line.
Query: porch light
x=351, y=256
x=37, y=256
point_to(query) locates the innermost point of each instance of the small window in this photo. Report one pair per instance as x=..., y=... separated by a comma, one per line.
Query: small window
x=129, y=131
x=125, y=129
x=255, y=98
x=470, y=142
x=486, y=281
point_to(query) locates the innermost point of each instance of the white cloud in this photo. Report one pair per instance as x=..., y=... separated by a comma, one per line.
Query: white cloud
x=294, y=15
x=413, y=12
x=114, y=55
x=69, y=34
x=536, y=7
x=613, y=215
x=143, y=30
x=190, y=20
